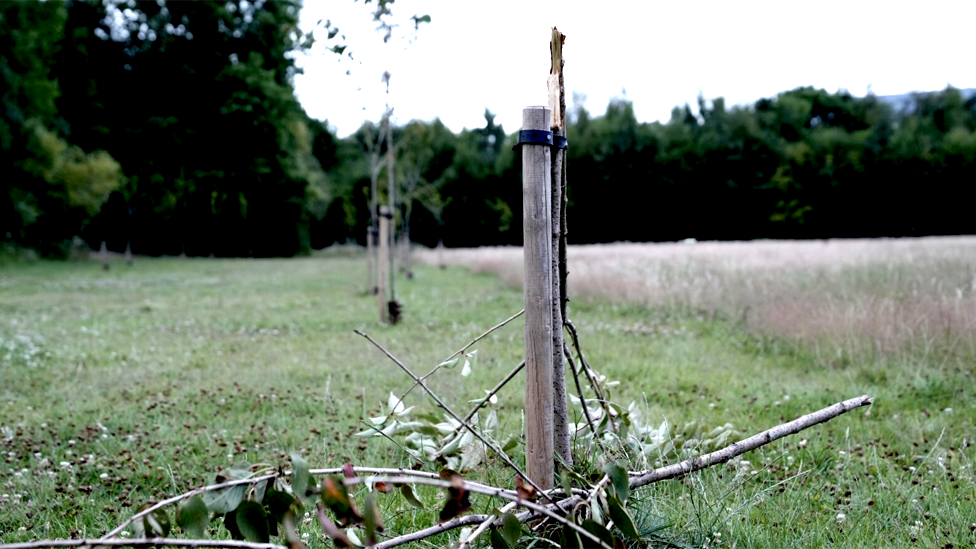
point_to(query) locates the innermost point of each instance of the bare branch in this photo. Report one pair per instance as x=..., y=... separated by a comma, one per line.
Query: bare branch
x=547, y=510
x=142, y=542
x=191, y=493
x=461, y=350
x=490, y=394
x=457, y=522
x=587, y=371
x=484, y=525
x=582, y=397
x=375, y=471
x=643, y=478
x=453, y=414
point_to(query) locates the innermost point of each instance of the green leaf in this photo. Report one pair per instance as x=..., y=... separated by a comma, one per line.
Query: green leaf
x=621, y=518
x=259, y=490
x=279, y=503
x=394, y=404
x=510, y=445
x=252, y=522
x=619, y=479
x=571, y=538
x=449, y=364
x=230, y=523
x=372, y=519
x=224, y=500
x=411, y=498
x=511, y=529
x=598, y=530
x=156, y=524
x=596, y=511
x=566, y=482
x=497, y=540
x=192, y=516
x=299, y=475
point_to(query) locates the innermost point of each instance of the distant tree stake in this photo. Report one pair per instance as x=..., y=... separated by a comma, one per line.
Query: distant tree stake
x=383, y=263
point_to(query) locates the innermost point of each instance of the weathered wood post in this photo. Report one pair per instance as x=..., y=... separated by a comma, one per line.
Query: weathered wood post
x=537, y=250
x=382, y=262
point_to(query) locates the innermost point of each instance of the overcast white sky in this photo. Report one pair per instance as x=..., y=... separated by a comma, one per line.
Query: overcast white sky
x=495, y=54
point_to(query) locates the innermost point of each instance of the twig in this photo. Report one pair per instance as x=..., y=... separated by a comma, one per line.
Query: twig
x=457, y=522
x=490, y=394
x=547, y=510
x=453, y=414
x=142, y=542
x=596, y=489
x=585, y=367
x=585, y=363
x=374, y=471
x=484, y=525
x=484, y=335
x=579, y=390
x=461, y=350
x=643, y=478
x=191, y=493
x=395, y=472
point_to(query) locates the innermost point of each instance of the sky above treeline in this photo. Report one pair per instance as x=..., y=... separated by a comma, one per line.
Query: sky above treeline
x=495, y=55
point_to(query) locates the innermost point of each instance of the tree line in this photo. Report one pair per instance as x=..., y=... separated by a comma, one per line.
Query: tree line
x=173, y=127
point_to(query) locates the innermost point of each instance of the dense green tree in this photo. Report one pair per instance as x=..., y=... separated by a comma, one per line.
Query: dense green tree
x=195, y=99
x=51, y=187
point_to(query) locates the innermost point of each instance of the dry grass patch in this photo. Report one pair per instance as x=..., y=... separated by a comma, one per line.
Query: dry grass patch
x=880, y=294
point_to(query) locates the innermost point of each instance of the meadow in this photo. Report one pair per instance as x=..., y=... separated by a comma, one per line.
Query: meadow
x=124, y=386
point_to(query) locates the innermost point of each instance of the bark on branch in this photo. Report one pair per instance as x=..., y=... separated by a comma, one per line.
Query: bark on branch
x=643, y=478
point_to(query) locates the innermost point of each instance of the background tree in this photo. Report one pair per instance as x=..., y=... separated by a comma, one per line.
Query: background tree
x=52, y=187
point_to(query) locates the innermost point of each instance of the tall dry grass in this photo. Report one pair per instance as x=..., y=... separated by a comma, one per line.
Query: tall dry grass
x=883, y=293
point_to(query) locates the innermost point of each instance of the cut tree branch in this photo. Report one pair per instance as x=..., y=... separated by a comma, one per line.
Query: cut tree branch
x=142, y=542
x=191, y=493
x=485, y=524
x=404, y=476
x=456, y=417
x=643, y=478
x=490, y=394
x=547, y=510
x=461, y=350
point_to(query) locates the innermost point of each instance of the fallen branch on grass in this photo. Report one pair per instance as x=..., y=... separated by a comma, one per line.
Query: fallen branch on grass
x=186, y=495
x=145, y=542
x=456, y=417
x=460, y=351
x=638, y=479
x=643, y=478
x=547, y=510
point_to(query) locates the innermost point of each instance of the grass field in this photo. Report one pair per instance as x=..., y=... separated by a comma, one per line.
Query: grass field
x=124, y=386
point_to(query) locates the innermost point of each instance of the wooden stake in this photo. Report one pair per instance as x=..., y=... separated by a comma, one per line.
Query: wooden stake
x=370, y=257
x=391, y=192
x=536, y=196
x=557, y=103
x=382, y=263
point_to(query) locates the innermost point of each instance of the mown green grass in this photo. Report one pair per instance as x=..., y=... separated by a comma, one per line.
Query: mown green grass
x=145, y=380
